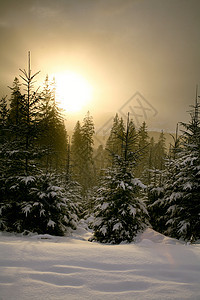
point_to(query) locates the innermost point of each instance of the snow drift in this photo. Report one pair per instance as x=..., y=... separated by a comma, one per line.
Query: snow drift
x=48, y=267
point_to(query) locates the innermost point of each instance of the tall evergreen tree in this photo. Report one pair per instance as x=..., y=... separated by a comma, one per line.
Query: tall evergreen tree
x=28, y=129
x=3, y=119
x=114, y=142
x=29, y=199
x=176, y=146
x=87, y=144
x=182, y=194
x=156, y=174
x=160, y=152
x=176, y=208
x=19, y=130
x=3, y=135
x=16, y=112
x=100, y=161
x=82, y=154
x=143, y=149
x=150, y=162
x=157, y=156
x=120, y=212
x=76, y=153
x=53, y=135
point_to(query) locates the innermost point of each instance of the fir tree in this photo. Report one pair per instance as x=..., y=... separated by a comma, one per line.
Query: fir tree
x=16, y=112
x=53, y=135
x=4, y=133
x=3, y=120
x=150, y=162
x=100, y=161
x=82, y=154
x=37, y=204
x=174, y=205
x=3, y=112
x=76, y=153
x=87, y=130
x=157, y=175
x=160, y=152
x=120, y=212
x=176, y=147
x=182, y=196
x=114, y=142
x=143, y=149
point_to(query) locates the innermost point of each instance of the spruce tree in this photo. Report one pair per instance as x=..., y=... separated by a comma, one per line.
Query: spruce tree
x=150, y=162
x=155, y=178
x=76, y=153
x=143, y=149
x=114, y=142
x=38, y=204
x=29, y=199
x=53, y=136
x=160, y=152
x=4, y=145
x=183, y=188
x=100, y=161
x=87, y=130
x=29, y=122
x=120, y=212
x=13, y=132
x=3, y=121
x=82, y=154
x=16, y=112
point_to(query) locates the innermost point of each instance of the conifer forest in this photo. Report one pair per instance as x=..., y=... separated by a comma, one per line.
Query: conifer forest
x=50, y=181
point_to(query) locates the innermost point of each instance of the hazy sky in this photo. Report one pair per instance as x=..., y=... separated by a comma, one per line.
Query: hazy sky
x=120, y=46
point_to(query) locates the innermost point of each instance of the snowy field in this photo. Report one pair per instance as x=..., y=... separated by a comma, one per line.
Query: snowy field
x=46, y=267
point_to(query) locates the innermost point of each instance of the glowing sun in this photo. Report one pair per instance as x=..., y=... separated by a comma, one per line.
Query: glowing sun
x=73, y=91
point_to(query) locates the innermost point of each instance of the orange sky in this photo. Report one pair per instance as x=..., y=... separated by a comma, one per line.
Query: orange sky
x=121, y=47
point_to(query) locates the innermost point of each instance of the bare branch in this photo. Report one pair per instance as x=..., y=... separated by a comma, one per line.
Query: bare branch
x=34, y=75
x=23, y=78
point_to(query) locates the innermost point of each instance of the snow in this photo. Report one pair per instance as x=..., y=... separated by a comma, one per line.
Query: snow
x=103, y=229
x=122, y=184
x=137, y=182
x=104, y=206
x=184, y=226
x=187, y=186
x=51, y=223
x=48, y=267
x=132, y=210
x=27, y=209
x=27, y=179
x=117, y=226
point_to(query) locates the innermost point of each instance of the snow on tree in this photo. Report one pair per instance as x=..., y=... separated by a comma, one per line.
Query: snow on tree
x=184, y=199
x=156, y=209
x=120, y=212
x=179, y=205
x=32, y=141
x=37, y=204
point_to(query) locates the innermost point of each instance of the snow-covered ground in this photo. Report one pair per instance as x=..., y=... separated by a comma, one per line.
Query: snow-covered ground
x=46, y=267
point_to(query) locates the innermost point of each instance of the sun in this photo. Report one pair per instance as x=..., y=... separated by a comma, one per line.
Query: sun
x=73, y=91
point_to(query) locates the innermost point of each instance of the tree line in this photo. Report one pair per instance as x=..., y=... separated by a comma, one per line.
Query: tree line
x=48, y=181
